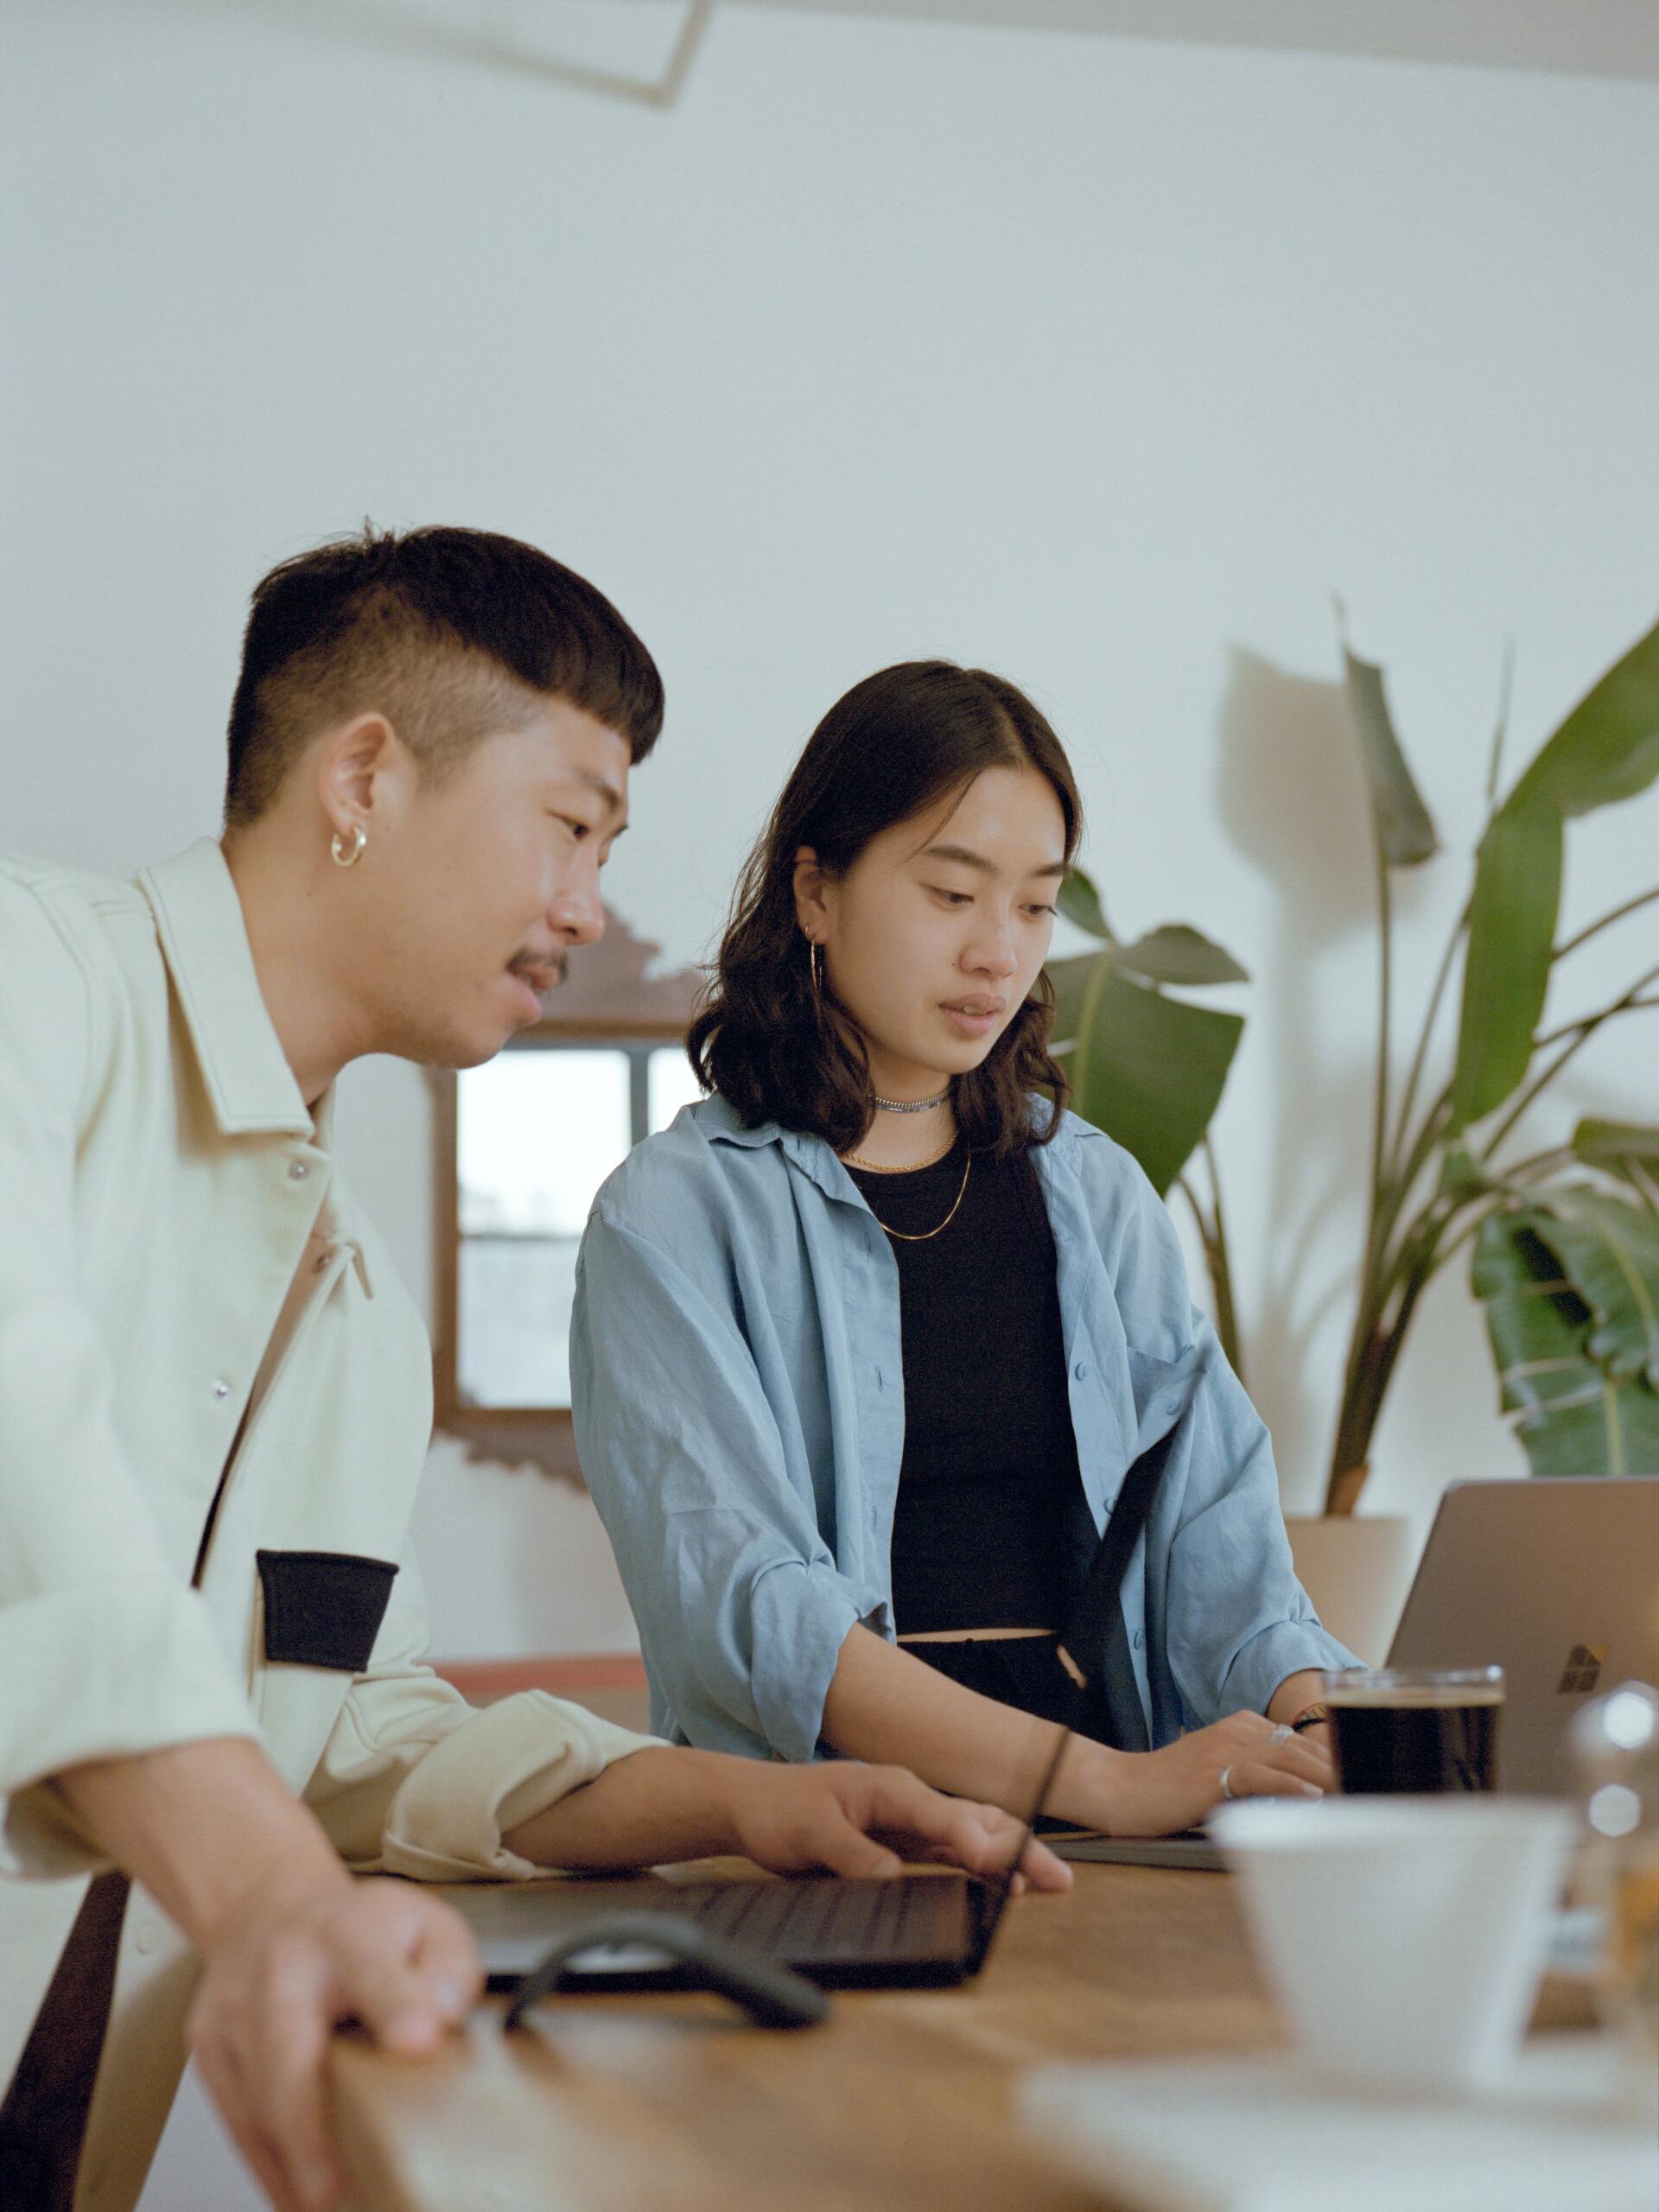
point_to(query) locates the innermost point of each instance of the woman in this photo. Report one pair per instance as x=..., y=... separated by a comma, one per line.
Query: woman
x=867, y=1344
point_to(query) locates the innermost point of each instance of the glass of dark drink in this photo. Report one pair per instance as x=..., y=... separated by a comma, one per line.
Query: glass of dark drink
x=1424, y=1730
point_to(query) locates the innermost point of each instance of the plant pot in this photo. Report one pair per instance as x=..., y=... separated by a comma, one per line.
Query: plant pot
x=1356, y=1567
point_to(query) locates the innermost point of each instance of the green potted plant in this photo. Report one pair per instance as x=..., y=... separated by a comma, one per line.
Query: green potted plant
x=1569, y=1271
x=1446, y=1161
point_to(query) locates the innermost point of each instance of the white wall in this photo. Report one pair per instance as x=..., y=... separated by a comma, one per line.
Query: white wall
x=1098, y=361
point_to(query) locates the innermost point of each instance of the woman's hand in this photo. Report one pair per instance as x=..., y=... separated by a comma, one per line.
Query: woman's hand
x=867, y=1820
x=1159, y=1793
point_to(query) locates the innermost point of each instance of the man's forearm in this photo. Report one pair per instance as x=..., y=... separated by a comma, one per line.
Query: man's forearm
x=651, y=1808
x=205, y=1827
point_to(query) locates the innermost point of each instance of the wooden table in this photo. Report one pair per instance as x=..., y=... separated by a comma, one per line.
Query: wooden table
x=904, y=2101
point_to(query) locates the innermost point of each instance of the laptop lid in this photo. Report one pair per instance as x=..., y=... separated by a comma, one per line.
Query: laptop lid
x=1553, y=1579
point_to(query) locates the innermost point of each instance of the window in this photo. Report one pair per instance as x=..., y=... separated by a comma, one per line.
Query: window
x=525, y=1143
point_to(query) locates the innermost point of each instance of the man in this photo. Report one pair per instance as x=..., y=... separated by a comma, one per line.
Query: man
x=214, y=1396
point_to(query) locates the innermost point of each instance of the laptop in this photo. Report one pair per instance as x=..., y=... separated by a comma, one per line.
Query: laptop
x=1553, y=1578
x=931, y=1927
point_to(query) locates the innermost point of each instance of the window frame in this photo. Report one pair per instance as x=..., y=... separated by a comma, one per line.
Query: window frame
x=610, y=999
x=510, y=1434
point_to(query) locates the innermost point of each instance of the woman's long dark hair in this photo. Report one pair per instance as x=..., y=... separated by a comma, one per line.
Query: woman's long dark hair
x=766, y=1037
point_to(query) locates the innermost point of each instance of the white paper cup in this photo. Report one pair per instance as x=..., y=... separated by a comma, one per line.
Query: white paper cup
x=1404, y=1936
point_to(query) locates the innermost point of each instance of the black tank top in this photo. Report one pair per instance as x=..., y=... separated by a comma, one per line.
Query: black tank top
x=990, y=1462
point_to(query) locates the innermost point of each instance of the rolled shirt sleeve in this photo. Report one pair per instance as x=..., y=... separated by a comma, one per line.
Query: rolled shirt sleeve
x=103, y=1652
x=415, y=1781
x=742, y=1611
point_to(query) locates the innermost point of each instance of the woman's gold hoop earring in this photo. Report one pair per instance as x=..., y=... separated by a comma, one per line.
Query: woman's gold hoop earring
x=348, y=856
x=814, y=962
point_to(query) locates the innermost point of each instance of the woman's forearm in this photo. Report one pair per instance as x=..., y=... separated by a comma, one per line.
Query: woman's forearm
x=1296, y=1692
x=888, y=1706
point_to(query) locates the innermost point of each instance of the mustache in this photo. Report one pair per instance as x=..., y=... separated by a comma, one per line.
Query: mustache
x=556, y=968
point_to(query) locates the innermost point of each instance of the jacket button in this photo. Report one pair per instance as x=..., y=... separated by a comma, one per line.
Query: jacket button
x=298, y=1171
x=222, y=1388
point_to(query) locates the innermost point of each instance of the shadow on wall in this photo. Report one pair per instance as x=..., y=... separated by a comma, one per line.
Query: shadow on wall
x=1290, y=794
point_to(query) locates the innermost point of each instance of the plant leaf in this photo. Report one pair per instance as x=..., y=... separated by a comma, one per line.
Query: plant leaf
x=1610, y=1144
x=1148, y=1070
x=1403, y=826
x=1079, y=901
x=1179, y=954
x=1071, y=979
x=1574, y=1419
x=1461, y=1175
x=1608, y=747
x=1506, y=968
x=1606, y=750
x=1610, y=1249
x=1617, y=1433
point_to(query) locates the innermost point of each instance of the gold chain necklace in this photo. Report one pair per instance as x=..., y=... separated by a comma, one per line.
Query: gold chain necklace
x=910, y=1168
x=909, y=1236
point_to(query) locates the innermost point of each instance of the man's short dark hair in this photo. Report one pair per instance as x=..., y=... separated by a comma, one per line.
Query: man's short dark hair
x=449, y=633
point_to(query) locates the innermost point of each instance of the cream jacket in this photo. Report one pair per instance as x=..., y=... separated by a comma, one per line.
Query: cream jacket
x=165, y=1203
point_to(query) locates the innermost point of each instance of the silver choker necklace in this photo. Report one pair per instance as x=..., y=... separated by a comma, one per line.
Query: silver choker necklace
x=913, y=1105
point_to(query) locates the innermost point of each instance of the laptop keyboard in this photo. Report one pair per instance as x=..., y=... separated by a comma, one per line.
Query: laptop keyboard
x=819, y=1918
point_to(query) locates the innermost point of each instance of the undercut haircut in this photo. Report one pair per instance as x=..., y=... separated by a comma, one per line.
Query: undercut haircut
x=767, y=1036
x=450, y=633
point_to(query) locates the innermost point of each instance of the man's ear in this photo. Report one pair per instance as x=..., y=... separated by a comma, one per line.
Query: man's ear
x=810, y=879
x=361, y=772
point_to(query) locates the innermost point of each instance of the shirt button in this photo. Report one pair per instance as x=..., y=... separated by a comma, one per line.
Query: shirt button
x=1140, y=1639
x=147, y=1937
x=298, y=1171
x=222, y=1388
x=1081, y=1370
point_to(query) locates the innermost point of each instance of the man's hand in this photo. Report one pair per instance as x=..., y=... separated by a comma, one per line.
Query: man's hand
x=867, y=1820
x=280, y=1980
x=666, y=1802
x=291, y=1946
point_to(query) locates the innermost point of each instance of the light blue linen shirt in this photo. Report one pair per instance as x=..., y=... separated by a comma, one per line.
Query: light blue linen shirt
x=739, y=1401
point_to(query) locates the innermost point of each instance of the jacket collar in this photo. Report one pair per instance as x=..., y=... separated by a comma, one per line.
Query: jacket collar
x=205, y=942
x=722, y=1124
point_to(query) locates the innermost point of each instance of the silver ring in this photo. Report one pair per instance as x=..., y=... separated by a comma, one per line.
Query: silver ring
x=1282, y=1733
x=1227, y=1782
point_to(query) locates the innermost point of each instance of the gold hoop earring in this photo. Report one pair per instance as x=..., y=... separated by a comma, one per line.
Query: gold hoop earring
x=815, y=964
x=343, y=858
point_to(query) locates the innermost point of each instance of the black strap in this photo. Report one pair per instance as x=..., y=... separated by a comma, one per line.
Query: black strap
x=1096, y=1641
x=772, y=1994
x=43, y=2114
